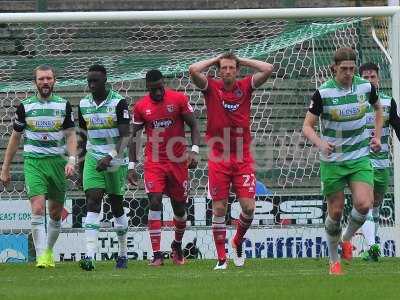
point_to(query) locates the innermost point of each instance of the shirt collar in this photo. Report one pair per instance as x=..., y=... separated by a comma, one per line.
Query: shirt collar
x=102, y=103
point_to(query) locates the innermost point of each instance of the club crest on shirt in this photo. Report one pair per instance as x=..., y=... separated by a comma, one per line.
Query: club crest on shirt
x=149, y=184
x=148, y=112
x=238, y=93
x=170, y=108
x=361, y=98
x=214, y=191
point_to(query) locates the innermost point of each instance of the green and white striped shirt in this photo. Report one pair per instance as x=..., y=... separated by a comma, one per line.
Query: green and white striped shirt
x=380, y=160
x=44, y=122
x=343, y=117
x=101, y=123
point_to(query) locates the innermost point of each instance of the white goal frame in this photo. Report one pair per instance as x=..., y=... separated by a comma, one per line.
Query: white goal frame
x=393, y=12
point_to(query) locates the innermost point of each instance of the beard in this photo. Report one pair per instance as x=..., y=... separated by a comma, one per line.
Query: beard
x=158, y=98
x=228, y=80
x=45, y=91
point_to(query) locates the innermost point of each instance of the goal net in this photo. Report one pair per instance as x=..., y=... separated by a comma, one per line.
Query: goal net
x=290, y=209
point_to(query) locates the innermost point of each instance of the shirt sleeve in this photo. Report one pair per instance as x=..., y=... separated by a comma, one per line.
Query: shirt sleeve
x=19, y=123
x=82, y=122
x=137, y=116
x=373, y=95
x=122, y=112
x=316, y=104
x=248, y=80
x=394, y=119
x=69, y=117
x=209, y=85
x=186, y=108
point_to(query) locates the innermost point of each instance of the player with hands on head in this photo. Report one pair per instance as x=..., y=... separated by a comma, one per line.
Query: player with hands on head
x=230, y=162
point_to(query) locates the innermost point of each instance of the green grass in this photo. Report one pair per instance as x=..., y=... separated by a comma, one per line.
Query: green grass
x=259, y=279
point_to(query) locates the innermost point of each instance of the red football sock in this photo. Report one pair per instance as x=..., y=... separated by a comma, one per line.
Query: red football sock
x=219, y=233
x=243, y=224
x=154, y=227
x=180, y=226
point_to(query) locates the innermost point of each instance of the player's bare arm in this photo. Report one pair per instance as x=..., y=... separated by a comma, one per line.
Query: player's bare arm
x=81, y=145
x=196, y=69
x=12, y=148
x=376, y=140
x=394, y=118
x=309, y=132
x=191, y=121
x=134, y=144
x=264, y=70
x=70, y=136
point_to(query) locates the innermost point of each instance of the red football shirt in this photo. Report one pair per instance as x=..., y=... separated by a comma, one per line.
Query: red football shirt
x=229, y=111
x=164, y=125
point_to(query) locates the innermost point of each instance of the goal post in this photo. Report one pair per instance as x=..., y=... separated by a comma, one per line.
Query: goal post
x=395, y=74
x=298, y=42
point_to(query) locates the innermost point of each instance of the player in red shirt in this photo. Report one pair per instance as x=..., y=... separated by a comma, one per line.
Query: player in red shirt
x=230, y=162
x=163, y=113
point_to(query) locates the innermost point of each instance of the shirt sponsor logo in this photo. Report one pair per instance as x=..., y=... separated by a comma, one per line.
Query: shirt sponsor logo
x=95, y=120
x=148, y=112
x=45, y=124
x=351, y=111
x=370, y=119
x=230, y=106
x=163, y=123
x=348, y=112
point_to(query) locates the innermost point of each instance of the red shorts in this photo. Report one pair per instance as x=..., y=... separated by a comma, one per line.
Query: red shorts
x=239, y=174
x=168, y=178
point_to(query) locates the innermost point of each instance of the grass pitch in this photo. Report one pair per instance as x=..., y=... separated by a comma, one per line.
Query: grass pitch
x=259, y=279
